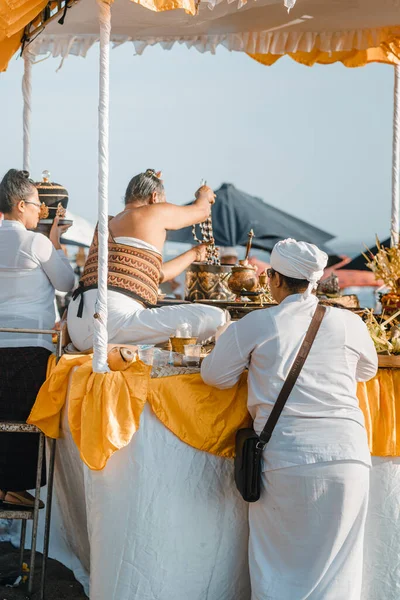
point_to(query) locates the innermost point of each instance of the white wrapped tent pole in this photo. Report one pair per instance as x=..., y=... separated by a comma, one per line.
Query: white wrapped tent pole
x=100, y=337
x=395, y=223
x=27, y=110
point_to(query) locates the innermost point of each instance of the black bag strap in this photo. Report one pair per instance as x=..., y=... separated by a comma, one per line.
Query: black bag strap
x=291, y=379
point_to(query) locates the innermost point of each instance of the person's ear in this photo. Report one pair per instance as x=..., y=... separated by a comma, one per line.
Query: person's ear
x=278, y=280
x=20, y=206
x=153, y=198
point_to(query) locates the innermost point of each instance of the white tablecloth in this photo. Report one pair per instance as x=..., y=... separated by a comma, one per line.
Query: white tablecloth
x=163, y=521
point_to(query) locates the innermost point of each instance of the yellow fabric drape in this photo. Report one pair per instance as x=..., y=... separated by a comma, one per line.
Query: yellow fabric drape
x=13, y=19
x=380, y=402
x=387, y=53
x=104, y=409
x=200, y=415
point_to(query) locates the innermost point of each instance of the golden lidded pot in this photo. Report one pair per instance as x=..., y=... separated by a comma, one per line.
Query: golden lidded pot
x=54, y=201
x=208, y=282
x=243, y=278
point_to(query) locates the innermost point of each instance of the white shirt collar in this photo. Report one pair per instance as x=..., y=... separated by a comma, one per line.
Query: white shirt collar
x=298, y=298
x=7, y=224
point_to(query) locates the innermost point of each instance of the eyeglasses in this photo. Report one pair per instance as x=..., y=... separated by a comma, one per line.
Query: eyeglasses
x=34, y=203
x=270, y=272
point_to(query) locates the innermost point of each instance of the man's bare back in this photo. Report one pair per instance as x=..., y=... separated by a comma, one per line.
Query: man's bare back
x=150, y=222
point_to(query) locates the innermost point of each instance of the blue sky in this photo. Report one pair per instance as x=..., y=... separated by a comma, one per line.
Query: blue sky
x=314, y=142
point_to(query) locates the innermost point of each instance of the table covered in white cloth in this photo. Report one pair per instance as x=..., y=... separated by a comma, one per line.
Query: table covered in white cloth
x=163, y=521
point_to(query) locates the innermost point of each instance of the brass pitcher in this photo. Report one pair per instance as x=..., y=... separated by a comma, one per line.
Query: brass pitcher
x=244, y=278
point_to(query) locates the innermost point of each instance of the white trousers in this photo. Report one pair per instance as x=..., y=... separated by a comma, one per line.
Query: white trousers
x=307, y=532
x=128, y=322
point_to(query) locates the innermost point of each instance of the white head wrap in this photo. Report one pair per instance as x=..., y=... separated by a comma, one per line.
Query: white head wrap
x=299, y=260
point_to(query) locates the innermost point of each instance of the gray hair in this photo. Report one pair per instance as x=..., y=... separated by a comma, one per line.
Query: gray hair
x=142, y=186
x=15, y=186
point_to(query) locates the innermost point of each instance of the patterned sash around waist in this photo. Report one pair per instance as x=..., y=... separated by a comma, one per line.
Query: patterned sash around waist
x=134, y=272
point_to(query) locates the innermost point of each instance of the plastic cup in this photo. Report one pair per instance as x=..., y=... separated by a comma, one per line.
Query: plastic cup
x=160, y=358
x=192, y=355
x=146, y=355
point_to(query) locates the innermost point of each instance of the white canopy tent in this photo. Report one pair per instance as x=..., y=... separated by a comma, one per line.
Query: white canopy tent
x=262, y=26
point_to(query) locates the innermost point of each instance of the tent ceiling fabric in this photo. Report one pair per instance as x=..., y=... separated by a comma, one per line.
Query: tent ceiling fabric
x=262, y=27
x=388, y=53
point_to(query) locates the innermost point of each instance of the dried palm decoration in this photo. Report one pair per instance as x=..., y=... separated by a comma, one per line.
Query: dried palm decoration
x=385, y=265
x=384, y=334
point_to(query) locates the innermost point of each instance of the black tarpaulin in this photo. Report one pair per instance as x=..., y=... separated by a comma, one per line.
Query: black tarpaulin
x=235, y=213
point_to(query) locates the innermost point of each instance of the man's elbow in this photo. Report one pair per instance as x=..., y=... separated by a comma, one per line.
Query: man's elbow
x=67, y=285
x=217, y=381
x=367, y=372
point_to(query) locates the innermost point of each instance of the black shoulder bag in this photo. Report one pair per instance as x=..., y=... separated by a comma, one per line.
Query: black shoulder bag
x=250, y=446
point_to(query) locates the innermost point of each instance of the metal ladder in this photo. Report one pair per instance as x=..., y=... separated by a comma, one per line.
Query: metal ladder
x=33, y=513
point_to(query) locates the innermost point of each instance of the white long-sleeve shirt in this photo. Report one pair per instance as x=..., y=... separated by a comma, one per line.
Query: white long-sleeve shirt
x=321, y=420
x=30, y=271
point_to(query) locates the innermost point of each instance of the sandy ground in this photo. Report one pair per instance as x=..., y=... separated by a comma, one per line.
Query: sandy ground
x=61, y=584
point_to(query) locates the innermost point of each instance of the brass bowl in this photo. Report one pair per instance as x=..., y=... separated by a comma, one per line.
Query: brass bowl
x=178, y=343
x=243, y=278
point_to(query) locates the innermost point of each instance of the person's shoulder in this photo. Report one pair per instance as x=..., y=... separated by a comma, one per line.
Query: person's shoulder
x=258, y=317
x=350, y=318
x=39, y=239
x=40, y=244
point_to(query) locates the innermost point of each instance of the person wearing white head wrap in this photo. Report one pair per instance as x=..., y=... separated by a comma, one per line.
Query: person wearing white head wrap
x=307, y=529
x=299, y=260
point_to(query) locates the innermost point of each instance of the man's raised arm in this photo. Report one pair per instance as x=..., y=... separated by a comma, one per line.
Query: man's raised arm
x=175, y=217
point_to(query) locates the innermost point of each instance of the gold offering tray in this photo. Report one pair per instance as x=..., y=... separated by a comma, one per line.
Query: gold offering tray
x=45, y=225
x=346, y=301
x=386, y=361
x=236, y=309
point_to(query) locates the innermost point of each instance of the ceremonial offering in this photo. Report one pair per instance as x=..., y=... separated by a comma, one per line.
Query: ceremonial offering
x=329, y=294
x=386, y=337
x=350, y=301
x=244, y=277
x=178, y=343
x=54, y=201
x=119, y=358
x=238, y=308
x=385, y=265
x=205, y=281
x=329, y=287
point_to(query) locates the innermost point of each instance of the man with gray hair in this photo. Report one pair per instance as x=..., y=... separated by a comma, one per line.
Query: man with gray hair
x=307, y=528
x=135, y=270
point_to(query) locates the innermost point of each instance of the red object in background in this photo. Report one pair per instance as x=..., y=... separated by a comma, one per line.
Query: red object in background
x=346, y=278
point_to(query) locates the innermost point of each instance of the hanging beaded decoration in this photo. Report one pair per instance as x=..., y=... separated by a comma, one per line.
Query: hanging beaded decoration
x=206, y=230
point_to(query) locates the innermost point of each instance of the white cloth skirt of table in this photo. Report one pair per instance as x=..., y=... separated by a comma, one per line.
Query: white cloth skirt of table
x=162, y=521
